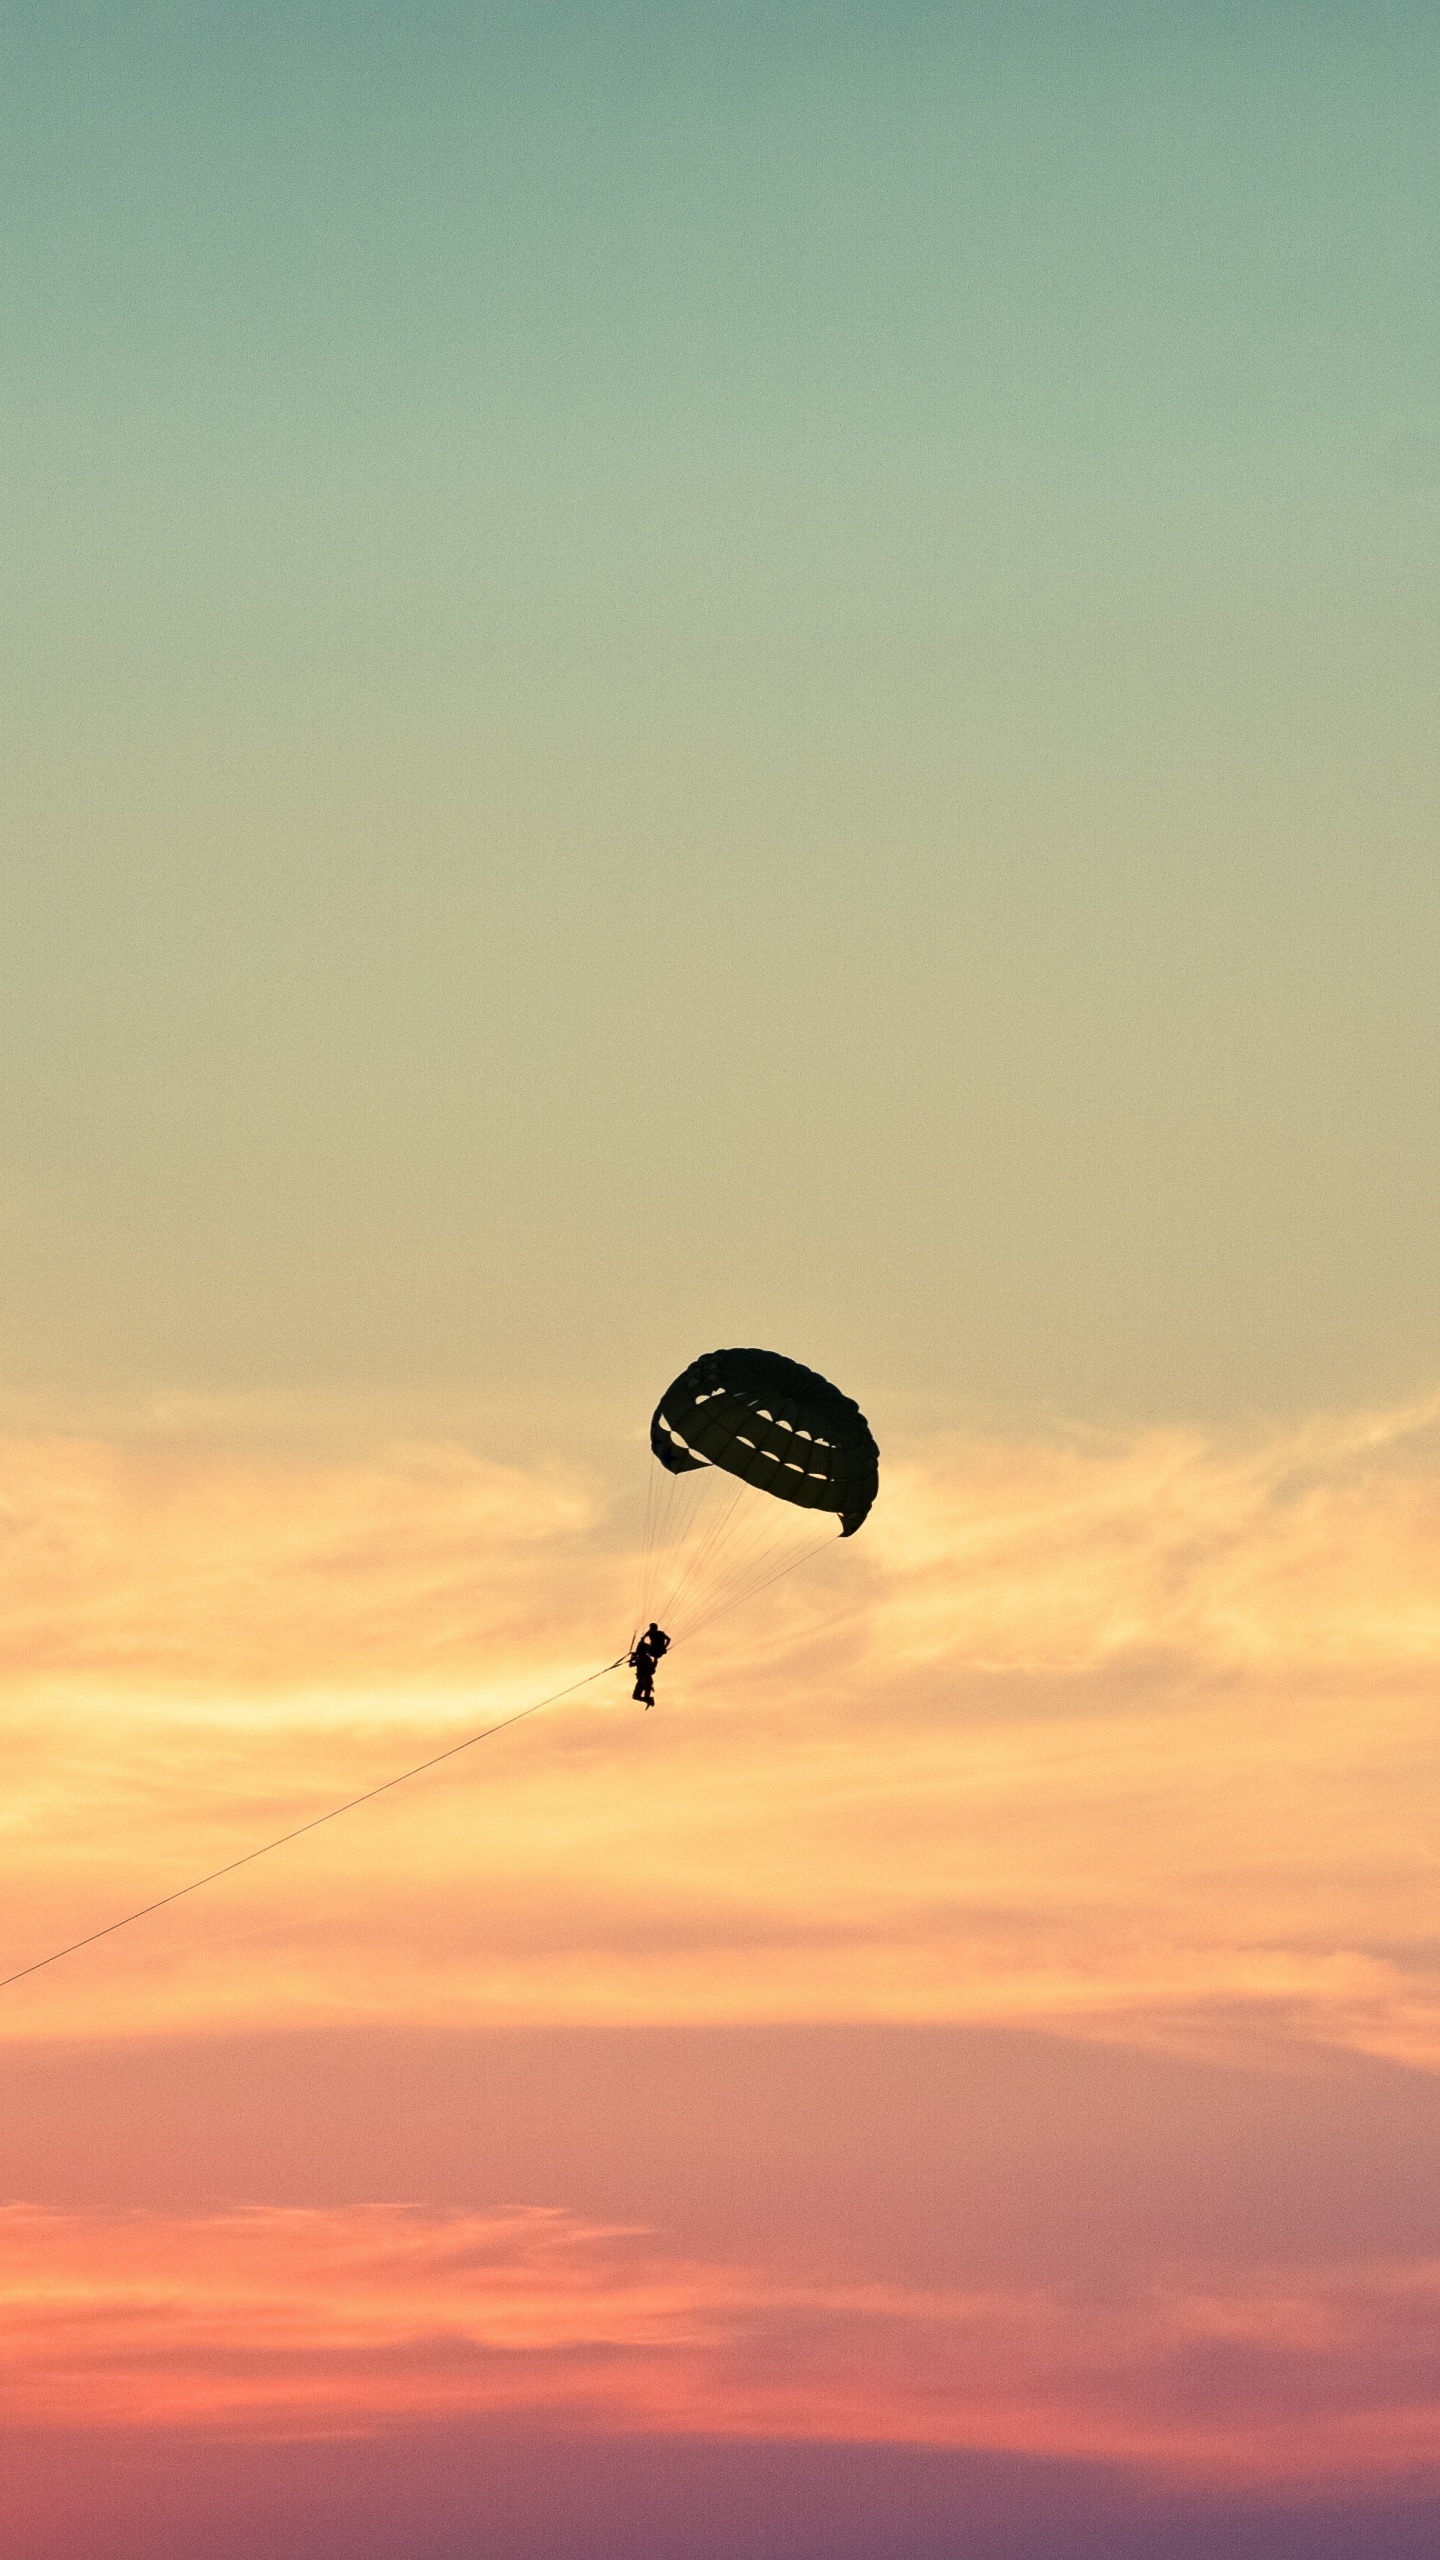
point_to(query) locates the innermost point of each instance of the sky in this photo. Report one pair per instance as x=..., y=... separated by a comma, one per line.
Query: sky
x=690, y=675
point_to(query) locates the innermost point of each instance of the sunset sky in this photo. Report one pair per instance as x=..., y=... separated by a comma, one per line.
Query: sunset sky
x=684, y=675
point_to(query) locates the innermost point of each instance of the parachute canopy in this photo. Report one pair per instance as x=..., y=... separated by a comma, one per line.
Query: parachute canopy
x=775, y=1425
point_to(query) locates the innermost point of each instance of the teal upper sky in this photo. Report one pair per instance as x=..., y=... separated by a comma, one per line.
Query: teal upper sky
x=643, y=640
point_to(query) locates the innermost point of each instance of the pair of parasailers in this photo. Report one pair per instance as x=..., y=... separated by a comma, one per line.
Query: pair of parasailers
x=647, y=1653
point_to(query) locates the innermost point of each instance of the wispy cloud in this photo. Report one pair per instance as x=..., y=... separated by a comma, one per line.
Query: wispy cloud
x=142, y=1565
x=1132, y=1736
x=1311, y=1549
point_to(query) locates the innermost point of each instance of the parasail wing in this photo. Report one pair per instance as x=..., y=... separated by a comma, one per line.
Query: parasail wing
x=775, y=1425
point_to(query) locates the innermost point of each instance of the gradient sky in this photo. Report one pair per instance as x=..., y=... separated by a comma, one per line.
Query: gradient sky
x=687, y=674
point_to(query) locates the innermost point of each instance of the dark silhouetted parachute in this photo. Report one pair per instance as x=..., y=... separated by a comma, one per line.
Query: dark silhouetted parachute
x=765, y=1440
x=782, y=1428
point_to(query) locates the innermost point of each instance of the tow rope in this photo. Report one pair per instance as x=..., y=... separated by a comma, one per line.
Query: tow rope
x=316, y=1823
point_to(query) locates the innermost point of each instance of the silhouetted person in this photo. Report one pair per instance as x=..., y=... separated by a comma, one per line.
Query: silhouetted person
x=647, y=1653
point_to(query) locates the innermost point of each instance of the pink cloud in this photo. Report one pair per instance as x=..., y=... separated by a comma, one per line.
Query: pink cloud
x=275, y=2323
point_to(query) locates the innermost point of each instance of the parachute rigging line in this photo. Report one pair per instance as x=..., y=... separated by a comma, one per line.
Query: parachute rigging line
x=751, y=1591
x=666, y=1496
x=692, y=1560
x=451, y=1752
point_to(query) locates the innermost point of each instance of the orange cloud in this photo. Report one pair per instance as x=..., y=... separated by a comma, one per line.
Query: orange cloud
x=274, y=2323
x=1312, y=1549
x=1135, y=1737
x=150, y=1565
